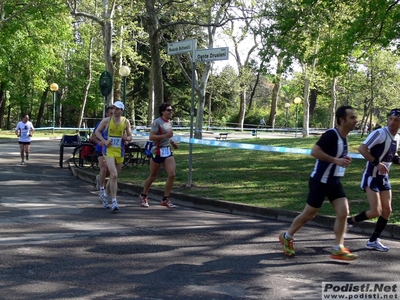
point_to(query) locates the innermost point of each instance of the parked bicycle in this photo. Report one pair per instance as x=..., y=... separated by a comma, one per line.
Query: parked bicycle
x=84, y=156
x=134, y=155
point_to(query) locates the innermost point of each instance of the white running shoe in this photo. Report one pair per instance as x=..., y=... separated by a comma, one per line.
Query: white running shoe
x=376, y=245
x=22, y=162
x=114, y=205
x=143, y=201
x=167, y=203
x=104, y=199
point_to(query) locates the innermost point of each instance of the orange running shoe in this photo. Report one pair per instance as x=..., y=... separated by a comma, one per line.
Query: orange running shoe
x=342, y=254
x=287, y=245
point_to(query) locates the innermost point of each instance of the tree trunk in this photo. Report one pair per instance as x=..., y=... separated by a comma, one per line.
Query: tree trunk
x=306, y=108
x=333, y=104
x=276, y=90
x=156, y=88
x=42, y=107
x=108, y=30
x=2, y=103
x=242, y=108
x=107, y=27
x=87, y=87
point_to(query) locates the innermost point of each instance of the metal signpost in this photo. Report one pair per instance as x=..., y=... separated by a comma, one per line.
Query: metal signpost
x=204, y=55
x=105, y=84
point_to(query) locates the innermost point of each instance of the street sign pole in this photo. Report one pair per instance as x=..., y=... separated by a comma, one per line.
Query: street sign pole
x=204, y=55
x=191, y=126
x=178, y=48
x=105, y=84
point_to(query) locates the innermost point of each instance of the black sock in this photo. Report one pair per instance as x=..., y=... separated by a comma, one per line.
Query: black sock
x=143, y=195
x=165, y=198
x=362, y=216
x=380, y=226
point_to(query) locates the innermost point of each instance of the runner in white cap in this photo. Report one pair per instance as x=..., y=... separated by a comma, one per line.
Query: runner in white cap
x=116, y=130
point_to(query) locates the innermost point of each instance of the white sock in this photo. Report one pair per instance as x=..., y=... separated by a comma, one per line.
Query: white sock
x=288, y=236
x=337, y=247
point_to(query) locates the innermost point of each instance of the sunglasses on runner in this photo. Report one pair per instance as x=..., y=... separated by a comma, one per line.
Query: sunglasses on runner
x=395, y=112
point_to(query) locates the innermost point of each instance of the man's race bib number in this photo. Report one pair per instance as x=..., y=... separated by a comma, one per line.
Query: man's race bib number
x=165, y=151
x=115, y=142
x=339, y=171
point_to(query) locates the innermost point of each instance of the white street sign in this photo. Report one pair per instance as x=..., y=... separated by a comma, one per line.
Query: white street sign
x=181, y=47
x=212, y=54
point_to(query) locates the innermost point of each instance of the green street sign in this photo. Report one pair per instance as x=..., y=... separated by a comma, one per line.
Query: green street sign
x=106, y=83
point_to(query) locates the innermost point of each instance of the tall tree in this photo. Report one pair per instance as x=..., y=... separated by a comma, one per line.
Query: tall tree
x=105, y=20
x=245, y=33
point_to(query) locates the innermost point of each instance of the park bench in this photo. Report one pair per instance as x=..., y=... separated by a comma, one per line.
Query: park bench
x=222, y=136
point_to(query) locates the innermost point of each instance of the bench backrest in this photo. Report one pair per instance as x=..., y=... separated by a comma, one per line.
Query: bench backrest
x=70, y=139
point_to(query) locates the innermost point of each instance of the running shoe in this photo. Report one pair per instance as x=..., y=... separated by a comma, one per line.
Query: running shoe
x=287, y=245
x=143, y=201
x=101, y=195
x=97, y=182
x=22, y=162
x=350, y=223
x=27, y=156
x=376, y=245
x=104, y=199
x=167, y=203
x=114, y=205
x=342, y=254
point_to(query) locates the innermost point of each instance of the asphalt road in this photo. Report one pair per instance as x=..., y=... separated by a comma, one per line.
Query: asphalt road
x=57, y=242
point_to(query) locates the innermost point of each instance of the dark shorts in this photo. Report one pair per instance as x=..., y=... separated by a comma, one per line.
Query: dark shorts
x=98, y=153
x=24, y=143
x=378, y=184
x=158, y=159
x=318, y=191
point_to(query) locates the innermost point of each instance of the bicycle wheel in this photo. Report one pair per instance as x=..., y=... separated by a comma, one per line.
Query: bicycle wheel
x=83, y=156
x=133, y=155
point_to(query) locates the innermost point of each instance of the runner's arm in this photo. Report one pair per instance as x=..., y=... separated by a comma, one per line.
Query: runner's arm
x=100, y=129
x=128, y=131
x=318, y=153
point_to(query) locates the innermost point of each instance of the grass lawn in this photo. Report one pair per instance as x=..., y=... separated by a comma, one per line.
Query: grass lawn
x=265, y=179
x=10, y=134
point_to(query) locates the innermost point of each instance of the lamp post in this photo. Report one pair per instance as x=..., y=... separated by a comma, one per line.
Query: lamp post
x=287, y=105
x=54, y=89
x=297, y=101
x=124, y=71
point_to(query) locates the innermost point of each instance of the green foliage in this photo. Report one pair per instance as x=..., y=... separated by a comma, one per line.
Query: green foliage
x=352, y=41
x=252, y=118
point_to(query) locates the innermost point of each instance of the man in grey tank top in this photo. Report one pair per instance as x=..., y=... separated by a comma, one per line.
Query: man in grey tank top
x=161, y=135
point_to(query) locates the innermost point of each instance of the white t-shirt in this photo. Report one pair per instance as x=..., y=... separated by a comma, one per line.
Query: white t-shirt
x=24, y=129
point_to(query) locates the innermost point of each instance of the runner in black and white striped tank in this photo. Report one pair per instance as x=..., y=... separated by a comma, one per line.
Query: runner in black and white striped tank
x=332, y=159
x=380, y=150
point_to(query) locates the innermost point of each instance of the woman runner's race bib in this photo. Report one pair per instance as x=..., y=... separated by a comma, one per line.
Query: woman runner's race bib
x=165, y=151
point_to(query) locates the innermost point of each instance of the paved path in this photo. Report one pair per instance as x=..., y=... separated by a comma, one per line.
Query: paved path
x=56, y=242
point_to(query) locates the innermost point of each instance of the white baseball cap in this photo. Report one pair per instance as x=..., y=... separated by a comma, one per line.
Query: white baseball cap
x=119, y=104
